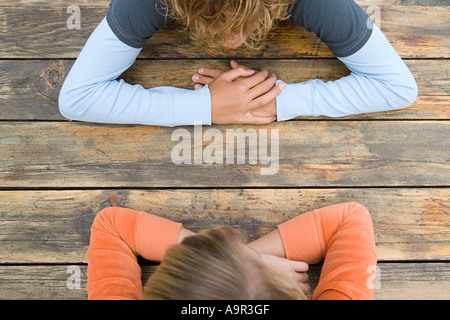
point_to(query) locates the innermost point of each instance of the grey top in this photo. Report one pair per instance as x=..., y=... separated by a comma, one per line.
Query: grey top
x=341, y=24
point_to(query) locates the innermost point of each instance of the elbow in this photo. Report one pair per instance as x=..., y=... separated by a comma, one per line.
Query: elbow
x=356, y=207
x=404, y=93
x=66, y=106
x=102, y=217
x=410, y=93
x=360, y=215
x=72, y=102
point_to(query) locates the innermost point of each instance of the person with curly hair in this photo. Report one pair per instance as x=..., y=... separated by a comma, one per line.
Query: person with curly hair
x=379, y=79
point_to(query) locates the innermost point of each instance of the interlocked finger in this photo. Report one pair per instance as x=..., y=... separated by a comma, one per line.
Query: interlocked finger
x=255, y=79
x=214, y=73
x=263, y=87
x=202, y=79
x=269, y=96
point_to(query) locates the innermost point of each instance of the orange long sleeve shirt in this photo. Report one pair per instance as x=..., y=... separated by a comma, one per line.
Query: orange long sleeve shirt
x=341, y=235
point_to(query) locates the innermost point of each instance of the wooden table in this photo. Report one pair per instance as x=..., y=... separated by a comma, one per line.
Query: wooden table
x=56, y=175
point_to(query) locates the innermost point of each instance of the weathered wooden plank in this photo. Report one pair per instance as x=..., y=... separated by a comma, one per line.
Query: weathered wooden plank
x=54, y=226
x=431, y=75
x=310, y=154
x=396, y=281
x=41, y=283
x=30, y=88
x=413, y=281
x=415, y=31
x=415, y=227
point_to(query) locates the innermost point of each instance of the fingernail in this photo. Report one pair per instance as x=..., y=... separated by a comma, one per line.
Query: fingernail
x=195, y=77
x=281, y=86
x=201, y=70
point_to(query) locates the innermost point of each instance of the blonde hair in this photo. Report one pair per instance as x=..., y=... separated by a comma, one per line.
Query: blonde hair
x=214, y=21
x=212, y=265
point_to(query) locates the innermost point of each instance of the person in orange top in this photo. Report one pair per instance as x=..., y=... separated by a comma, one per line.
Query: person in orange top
x=218, y=263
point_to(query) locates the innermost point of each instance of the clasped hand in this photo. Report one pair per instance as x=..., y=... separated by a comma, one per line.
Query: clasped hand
x=240, y=95
x=293, y=270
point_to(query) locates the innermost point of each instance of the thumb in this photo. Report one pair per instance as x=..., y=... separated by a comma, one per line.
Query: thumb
x=237, y=72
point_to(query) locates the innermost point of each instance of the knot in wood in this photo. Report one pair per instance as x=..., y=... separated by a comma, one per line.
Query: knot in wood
x=52, y=75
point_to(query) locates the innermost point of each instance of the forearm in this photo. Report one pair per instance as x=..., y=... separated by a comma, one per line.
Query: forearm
x=113, y=271
x=183, y=234
x=342, y=236
x=92, y=93
x=118, y=237
x=270, y=243
x=379, y=81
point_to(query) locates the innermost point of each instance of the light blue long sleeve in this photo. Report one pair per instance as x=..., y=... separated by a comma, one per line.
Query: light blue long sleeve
x=379, y=81
x=92, y=93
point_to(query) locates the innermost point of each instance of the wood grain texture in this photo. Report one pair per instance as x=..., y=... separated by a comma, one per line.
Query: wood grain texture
x=407, y=281
x=414, y=31
x=397, y=168
x=30, y=88
x=317, y=153
x=54, y=226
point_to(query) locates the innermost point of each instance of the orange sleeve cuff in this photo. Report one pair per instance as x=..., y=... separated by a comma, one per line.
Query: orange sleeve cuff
x=155, y=235
x=302, y=239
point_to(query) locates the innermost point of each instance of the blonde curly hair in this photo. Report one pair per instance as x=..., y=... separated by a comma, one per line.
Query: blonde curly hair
x=216, y=21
